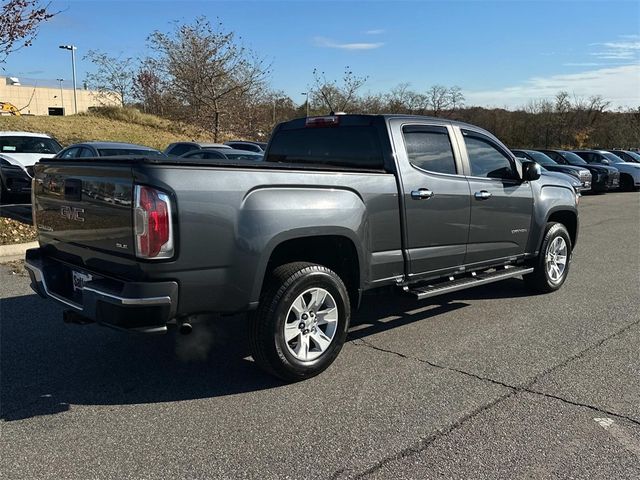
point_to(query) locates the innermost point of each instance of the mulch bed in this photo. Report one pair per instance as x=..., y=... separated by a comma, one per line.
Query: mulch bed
x=12, y=231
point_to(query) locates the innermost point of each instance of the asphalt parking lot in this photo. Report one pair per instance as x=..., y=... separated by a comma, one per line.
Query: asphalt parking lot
x=483, y=383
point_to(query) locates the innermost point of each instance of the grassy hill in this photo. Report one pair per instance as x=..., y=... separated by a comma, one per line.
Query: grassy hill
x=109, y=124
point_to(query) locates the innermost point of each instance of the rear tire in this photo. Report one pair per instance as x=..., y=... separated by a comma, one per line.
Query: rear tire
x=551, y=267
x=301, y=323
x=626, y=183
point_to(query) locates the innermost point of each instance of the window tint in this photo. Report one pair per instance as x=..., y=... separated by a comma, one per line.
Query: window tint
x=555, y=156
x=86, y=152
x=181, y=149
x=485, y=159
x=429, y=148
x=572, y=158
x=71, y=153
x=611, y=157
x=541, y=158
x=346, y=146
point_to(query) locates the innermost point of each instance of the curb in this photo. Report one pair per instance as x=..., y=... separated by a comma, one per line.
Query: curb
x=16, y=251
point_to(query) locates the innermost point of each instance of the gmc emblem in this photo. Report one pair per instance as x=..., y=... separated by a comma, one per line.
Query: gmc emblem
x=72, y=213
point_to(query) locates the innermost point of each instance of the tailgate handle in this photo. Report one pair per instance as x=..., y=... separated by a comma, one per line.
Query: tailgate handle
x=73, y=189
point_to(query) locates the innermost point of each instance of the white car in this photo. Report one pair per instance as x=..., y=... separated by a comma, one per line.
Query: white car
x=19, y=152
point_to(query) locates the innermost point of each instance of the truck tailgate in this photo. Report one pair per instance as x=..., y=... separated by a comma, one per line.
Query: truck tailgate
x=84, y=204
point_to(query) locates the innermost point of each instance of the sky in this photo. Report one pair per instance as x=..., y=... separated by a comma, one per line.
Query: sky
x=501, y=53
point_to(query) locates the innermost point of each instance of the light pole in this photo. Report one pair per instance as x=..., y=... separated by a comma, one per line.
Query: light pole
x=306, y=95
x=73, y=68
x=61, y=97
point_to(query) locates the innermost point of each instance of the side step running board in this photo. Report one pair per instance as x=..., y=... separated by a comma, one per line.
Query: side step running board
x=482, y=278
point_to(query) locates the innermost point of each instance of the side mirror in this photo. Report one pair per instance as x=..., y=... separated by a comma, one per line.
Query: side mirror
x=531, y=171
x=604, y=161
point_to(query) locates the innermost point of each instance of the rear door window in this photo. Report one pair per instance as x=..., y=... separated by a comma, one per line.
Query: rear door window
x=429, y=148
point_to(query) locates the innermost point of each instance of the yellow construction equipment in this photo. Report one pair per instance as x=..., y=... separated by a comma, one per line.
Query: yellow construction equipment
x=7, y=108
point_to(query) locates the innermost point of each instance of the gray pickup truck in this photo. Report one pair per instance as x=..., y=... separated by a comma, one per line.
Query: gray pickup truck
x=340, y=205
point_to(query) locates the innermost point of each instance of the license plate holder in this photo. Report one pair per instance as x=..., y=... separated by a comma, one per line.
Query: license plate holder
x=79, y=279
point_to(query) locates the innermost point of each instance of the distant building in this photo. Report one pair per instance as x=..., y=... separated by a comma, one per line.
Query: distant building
x=42, y=97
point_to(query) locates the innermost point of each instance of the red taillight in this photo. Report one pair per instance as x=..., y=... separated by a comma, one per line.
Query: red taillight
x=152, y=223
x=328, y=121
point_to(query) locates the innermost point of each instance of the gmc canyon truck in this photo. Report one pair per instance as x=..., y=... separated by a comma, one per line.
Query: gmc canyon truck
x=340, y=205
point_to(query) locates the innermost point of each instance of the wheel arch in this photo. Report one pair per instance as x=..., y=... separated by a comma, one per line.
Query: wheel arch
x=337, y=249
x=569, y=219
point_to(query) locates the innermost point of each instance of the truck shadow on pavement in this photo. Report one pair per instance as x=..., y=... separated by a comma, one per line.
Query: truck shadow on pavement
x=46, y=365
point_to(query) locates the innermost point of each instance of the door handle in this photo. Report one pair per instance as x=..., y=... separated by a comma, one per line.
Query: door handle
x=421, y=194
x=482, y=195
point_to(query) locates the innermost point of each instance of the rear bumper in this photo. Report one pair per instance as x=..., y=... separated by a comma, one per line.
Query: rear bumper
x=138, y=306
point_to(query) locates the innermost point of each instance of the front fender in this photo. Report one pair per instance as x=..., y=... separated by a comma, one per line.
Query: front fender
x=550, y=198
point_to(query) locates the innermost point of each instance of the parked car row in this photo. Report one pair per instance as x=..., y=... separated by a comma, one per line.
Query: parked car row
x=587, y=170
x=19, y=151
x=590, y=170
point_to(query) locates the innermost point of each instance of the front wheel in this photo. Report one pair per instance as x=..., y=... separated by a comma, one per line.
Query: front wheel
x=552, y=264
x=301, y=323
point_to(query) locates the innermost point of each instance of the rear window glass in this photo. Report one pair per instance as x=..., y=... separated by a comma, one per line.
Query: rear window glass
x=351, y=147
x=29, y=145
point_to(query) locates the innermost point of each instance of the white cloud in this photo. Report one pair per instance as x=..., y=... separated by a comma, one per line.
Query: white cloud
x=626, y=50
x=582, y=64
x=325, y=42
x=619, y=85
x=375, y=31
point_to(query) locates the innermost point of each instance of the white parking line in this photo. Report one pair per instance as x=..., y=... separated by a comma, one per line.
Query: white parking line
x=620, y=434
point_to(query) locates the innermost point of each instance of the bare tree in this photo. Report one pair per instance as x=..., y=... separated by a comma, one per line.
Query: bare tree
x=438, y=99
x=20, y=22
x=206, y=68
x=333, y=95
x=456, y=97
x=113, y=78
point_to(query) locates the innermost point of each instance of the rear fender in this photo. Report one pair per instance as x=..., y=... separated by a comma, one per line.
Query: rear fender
x=273, y=215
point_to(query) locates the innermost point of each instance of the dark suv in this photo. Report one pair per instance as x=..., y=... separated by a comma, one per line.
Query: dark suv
x=602, y=177
x=629, y=172
x=582, y=174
